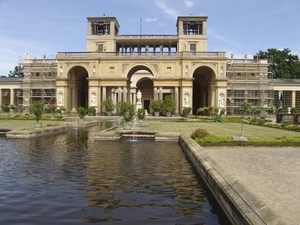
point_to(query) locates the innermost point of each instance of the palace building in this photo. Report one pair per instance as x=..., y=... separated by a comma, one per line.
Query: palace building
x=118, y=66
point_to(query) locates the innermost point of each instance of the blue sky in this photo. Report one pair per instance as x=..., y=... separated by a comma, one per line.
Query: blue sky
x=235, y=26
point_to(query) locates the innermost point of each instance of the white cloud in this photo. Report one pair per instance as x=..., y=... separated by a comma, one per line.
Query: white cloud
x=189, y=3
x=151, y=20
x=166, y=9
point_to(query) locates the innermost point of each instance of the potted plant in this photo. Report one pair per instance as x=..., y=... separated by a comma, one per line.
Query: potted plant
x=81, y=111
x=92, y=111
x=156, y=106
x=37, y=108
x=127, y=111
x=141, y=114
x=5, y=108
x=168, y=105
x=186, y=111
x=109, y=106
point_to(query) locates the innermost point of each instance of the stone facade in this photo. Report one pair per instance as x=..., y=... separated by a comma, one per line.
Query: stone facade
x=117, y=66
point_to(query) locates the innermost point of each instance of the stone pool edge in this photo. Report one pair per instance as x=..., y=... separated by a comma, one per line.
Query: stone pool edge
x=240, y=205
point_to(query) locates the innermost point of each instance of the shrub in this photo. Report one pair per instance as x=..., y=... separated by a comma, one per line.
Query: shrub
x=294, y=110
x=218, y=118
x=199, y=133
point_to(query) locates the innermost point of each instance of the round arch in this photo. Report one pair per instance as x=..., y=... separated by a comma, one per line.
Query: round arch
x=203, y=77
x=77, y=87
x=140, y=77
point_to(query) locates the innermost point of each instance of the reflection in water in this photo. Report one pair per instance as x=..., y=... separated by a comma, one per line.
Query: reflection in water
x=72, y=179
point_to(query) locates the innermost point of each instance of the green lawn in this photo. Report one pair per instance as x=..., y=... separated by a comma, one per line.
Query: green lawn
x=222, y=129
x=217, y=129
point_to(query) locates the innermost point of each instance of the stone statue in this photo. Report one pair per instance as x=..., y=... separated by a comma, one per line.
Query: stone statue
x=139, y=96
x=221, y=101
x=186, y=100
x=60, y=98
x=93, y=98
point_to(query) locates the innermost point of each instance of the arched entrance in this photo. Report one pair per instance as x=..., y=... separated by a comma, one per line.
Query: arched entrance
x=77, y=88
x=141, y=78
x=203, y=76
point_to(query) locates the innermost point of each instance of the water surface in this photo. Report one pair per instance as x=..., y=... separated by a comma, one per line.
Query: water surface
x=72, y=179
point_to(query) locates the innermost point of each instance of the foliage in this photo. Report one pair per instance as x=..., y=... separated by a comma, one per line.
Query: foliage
x=199, y=133
x=270, y=110
x=244, y=107
x=294, y=110
x=156, y=105
x=58, y=111
x=37, y=108
x=62, y=108
x=284, y=64
x=186, y=111
x=285, y=123
x=256, y=111
x=218, y=118
x=92, y=111
x=18, y=72
x=141, y=113
x=108, y=104
x=168, y=104
x=127, y=111
x=202, y=110
x=5, y=108
x=81, y=111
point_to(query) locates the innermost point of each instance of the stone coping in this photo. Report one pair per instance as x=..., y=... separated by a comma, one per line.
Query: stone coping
x=49, y=129
x=116, y=133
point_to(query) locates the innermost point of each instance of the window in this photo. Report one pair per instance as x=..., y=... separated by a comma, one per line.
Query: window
x=101, y=28
x=238, y=75
x=100, y=48
x=37, y=74
x=238, y=94
x=252, y=75
x=193, y=47
x=192, y=27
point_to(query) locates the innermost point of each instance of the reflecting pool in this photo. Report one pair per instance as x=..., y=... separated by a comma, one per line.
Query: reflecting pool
x=72, y=179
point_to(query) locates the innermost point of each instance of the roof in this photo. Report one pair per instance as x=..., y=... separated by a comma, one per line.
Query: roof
x=9, y=79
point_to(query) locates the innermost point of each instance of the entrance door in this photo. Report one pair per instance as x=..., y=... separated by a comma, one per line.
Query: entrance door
x=147, y=105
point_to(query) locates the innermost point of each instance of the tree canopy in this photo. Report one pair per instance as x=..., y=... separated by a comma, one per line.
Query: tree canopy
x=284, y=65
x=18, y=72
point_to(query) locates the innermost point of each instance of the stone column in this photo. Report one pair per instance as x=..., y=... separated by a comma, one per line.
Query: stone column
x=160, y=93
x=12, y=99
x=119, y=94
x=176, y=101
x=293, y=99
x=73, y=99
x=125, y=94
x=134, y=98
x=155, y=93
x=103, y=93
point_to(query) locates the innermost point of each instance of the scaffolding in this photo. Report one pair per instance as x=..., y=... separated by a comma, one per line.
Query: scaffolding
x=38, y=82
x=248, y=80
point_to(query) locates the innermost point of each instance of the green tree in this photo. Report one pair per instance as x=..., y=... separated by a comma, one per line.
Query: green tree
x=18, y=72
x=284, y=65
